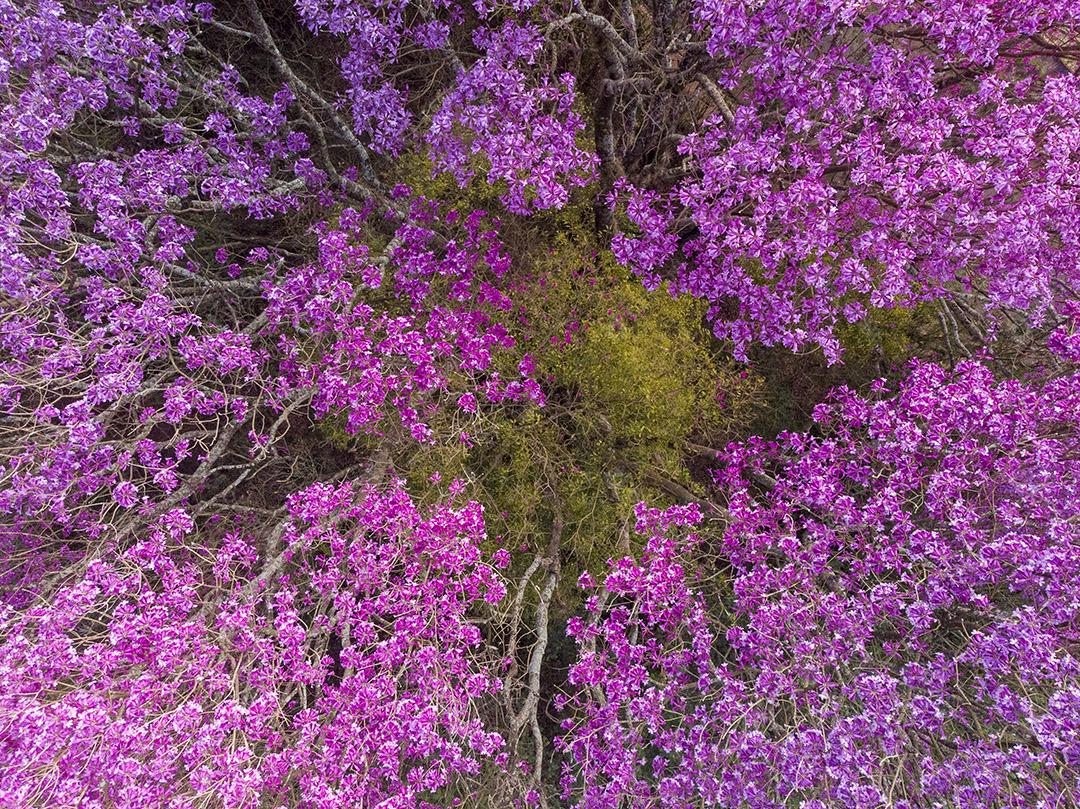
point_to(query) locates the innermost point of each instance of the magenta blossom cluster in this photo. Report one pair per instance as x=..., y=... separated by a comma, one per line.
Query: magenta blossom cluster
x=498, y=110
x=225, y=333
x=353, y=359
x=871, y=155
x=332, y=665
x=192, y=610
x=528, y=133
x=890, y=618
x=147, y=339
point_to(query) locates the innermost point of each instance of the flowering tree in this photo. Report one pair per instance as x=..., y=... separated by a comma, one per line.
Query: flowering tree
x=218, y=625
x=233, y=316
x=856, y=155
x=889, y=617
x=337, y=675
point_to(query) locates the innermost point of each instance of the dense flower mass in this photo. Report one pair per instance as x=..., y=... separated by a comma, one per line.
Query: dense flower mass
x=897, y=621
x=337, y=339
x=340, y=674
x=166, y=640
x=921, y=150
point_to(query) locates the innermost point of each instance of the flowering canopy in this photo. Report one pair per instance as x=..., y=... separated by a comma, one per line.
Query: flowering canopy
x=236, y=322
x=913, y=151
x=131, y=688
x=897, y=624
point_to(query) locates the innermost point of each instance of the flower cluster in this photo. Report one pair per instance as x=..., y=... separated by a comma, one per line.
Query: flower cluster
x=890, y=617
x=496, y=110
x=139, y=353
x=185, y=616
x=528, y=134
x=913, y=152
x=333, y=665
x=358, y=361
x=225, y=332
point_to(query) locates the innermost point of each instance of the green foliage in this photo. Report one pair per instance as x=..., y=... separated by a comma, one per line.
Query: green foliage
x=417, y=172
x=888, y=335
x=630, y=377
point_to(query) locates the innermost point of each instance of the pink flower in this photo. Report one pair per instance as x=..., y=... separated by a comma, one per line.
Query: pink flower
x=125, y=494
